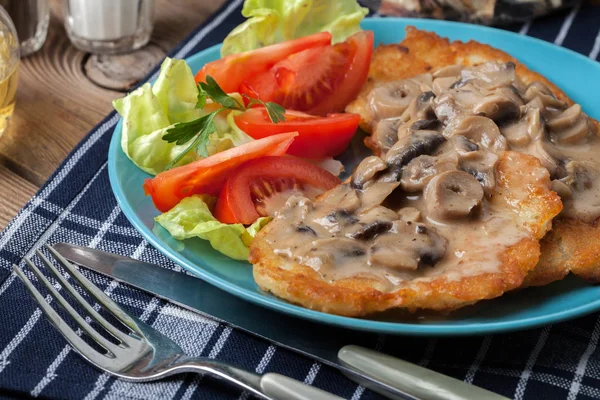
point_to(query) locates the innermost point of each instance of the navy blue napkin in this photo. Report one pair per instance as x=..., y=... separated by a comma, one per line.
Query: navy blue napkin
x=75, y=205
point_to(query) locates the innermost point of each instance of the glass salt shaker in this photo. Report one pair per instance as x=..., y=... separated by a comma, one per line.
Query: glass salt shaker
x=31, y=19
x=108, y=26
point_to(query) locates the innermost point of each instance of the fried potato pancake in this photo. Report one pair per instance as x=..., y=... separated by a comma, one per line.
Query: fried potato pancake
x=572, y=245
x=531, y=208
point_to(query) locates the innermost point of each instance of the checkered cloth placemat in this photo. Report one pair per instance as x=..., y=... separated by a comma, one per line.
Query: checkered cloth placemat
x=75, y=205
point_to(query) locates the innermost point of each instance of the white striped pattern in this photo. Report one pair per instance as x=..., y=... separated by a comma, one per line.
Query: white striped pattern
x=564, y=29
x=526, y=374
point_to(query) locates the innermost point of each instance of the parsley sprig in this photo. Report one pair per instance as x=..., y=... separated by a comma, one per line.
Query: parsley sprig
x=199, y=129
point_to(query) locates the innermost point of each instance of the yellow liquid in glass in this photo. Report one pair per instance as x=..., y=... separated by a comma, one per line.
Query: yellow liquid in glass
x=9, y=75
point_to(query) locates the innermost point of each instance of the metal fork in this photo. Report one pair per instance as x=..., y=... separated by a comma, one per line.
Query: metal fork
x=145, y=354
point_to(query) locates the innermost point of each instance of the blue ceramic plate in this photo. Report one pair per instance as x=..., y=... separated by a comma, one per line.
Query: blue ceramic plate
x=578, y=76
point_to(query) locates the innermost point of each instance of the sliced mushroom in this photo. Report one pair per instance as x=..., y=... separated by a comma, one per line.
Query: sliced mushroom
x=390, y=99
x=570, y=127
x=581, y=175
x=376, y=192
x=445, y=107
x=371, y=230
x=452, y=71
x=546, y=102
x=539, y=149
x=442, y=84
x=566, y=119
x=498, y=108
x=422, y=169
x=490, y=75
x=480, y=130
x=385, y=133
x=420, y=142
x=453, y=194
x=540, y=95
x=529, y=128
x=409, y=214
x=534, y=89
x=413, y=246
x=425, y=125
x=366, y=170
x=463, y=145
x=467, y=96
x=372, y=222
x=424, y=81
x=482, y=166
x=341, y=197
x=331, y=251
x=561, y=188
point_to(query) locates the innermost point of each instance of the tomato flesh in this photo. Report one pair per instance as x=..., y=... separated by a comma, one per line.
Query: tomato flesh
x=241, y=193
x=230, y=71
x=208, y=175
x=316, y=80
x=318, y=137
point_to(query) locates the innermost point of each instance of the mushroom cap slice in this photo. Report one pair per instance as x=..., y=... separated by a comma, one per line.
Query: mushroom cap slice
x=366, y=170
x=498, y=107
x=480, y=130
x=385, y=133
x=570, y=127
x=422, y=169
x=391, y=99
x=453, y=194
x=410, y=246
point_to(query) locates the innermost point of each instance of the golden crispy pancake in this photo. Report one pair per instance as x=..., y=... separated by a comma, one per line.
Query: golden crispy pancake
x=486, y=271
x=572, y=245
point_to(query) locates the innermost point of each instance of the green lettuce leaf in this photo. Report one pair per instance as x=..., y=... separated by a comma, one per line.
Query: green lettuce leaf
x=149, y=111
x=192, y=218
x=274, y=21
x=144, y=124
x=227, y=138
x=176, y=91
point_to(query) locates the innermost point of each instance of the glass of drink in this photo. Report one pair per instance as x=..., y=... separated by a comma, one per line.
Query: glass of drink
x=9, y=64
x=31, y=21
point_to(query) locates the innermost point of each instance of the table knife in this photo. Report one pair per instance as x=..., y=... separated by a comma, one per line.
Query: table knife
x=384, y=374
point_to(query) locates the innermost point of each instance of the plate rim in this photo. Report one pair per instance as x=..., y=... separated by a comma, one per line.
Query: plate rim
x=433, y=329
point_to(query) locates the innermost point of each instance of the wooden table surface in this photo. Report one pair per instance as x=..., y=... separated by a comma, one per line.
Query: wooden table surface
x=64, y=92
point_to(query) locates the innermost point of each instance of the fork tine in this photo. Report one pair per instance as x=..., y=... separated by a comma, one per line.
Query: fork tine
x=114, y=332
x=98, y=294
x=112, y=348
x=74, y=340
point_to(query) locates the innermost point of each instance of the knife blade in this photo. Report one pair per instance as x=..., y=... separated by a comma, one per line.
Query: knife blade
x=330, y=345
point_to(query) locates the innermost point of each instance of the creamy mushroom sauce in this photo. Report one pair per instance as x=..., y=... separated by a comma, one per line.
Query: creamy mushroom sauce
x=423, y=207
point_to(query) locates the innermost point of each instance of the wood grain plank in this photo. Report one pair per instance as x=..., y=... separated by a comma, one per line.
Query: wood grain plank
x=56, y=102
x=15, y=192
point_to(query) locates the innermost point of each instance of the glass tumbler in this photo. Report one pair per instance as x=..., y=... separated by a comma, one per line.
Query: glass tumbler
x=31, y=19
x=9, y=68
x=108, y=26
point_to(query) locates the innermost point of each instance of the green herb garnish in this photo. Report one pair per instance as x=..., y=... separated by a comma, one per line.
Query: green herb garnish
x=199, y=129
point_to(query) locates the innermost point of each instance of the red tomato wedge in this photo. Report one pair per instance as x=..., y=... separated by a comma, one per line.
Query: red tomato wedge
x=207, y=176
x=250, y=185
x=230, y=71
x=316, y=80
x=318, y=137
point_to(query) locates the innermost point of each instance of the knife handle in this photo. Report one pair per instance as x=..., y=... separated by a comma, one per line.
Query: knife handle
x=420, y=382
x=281, y=387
